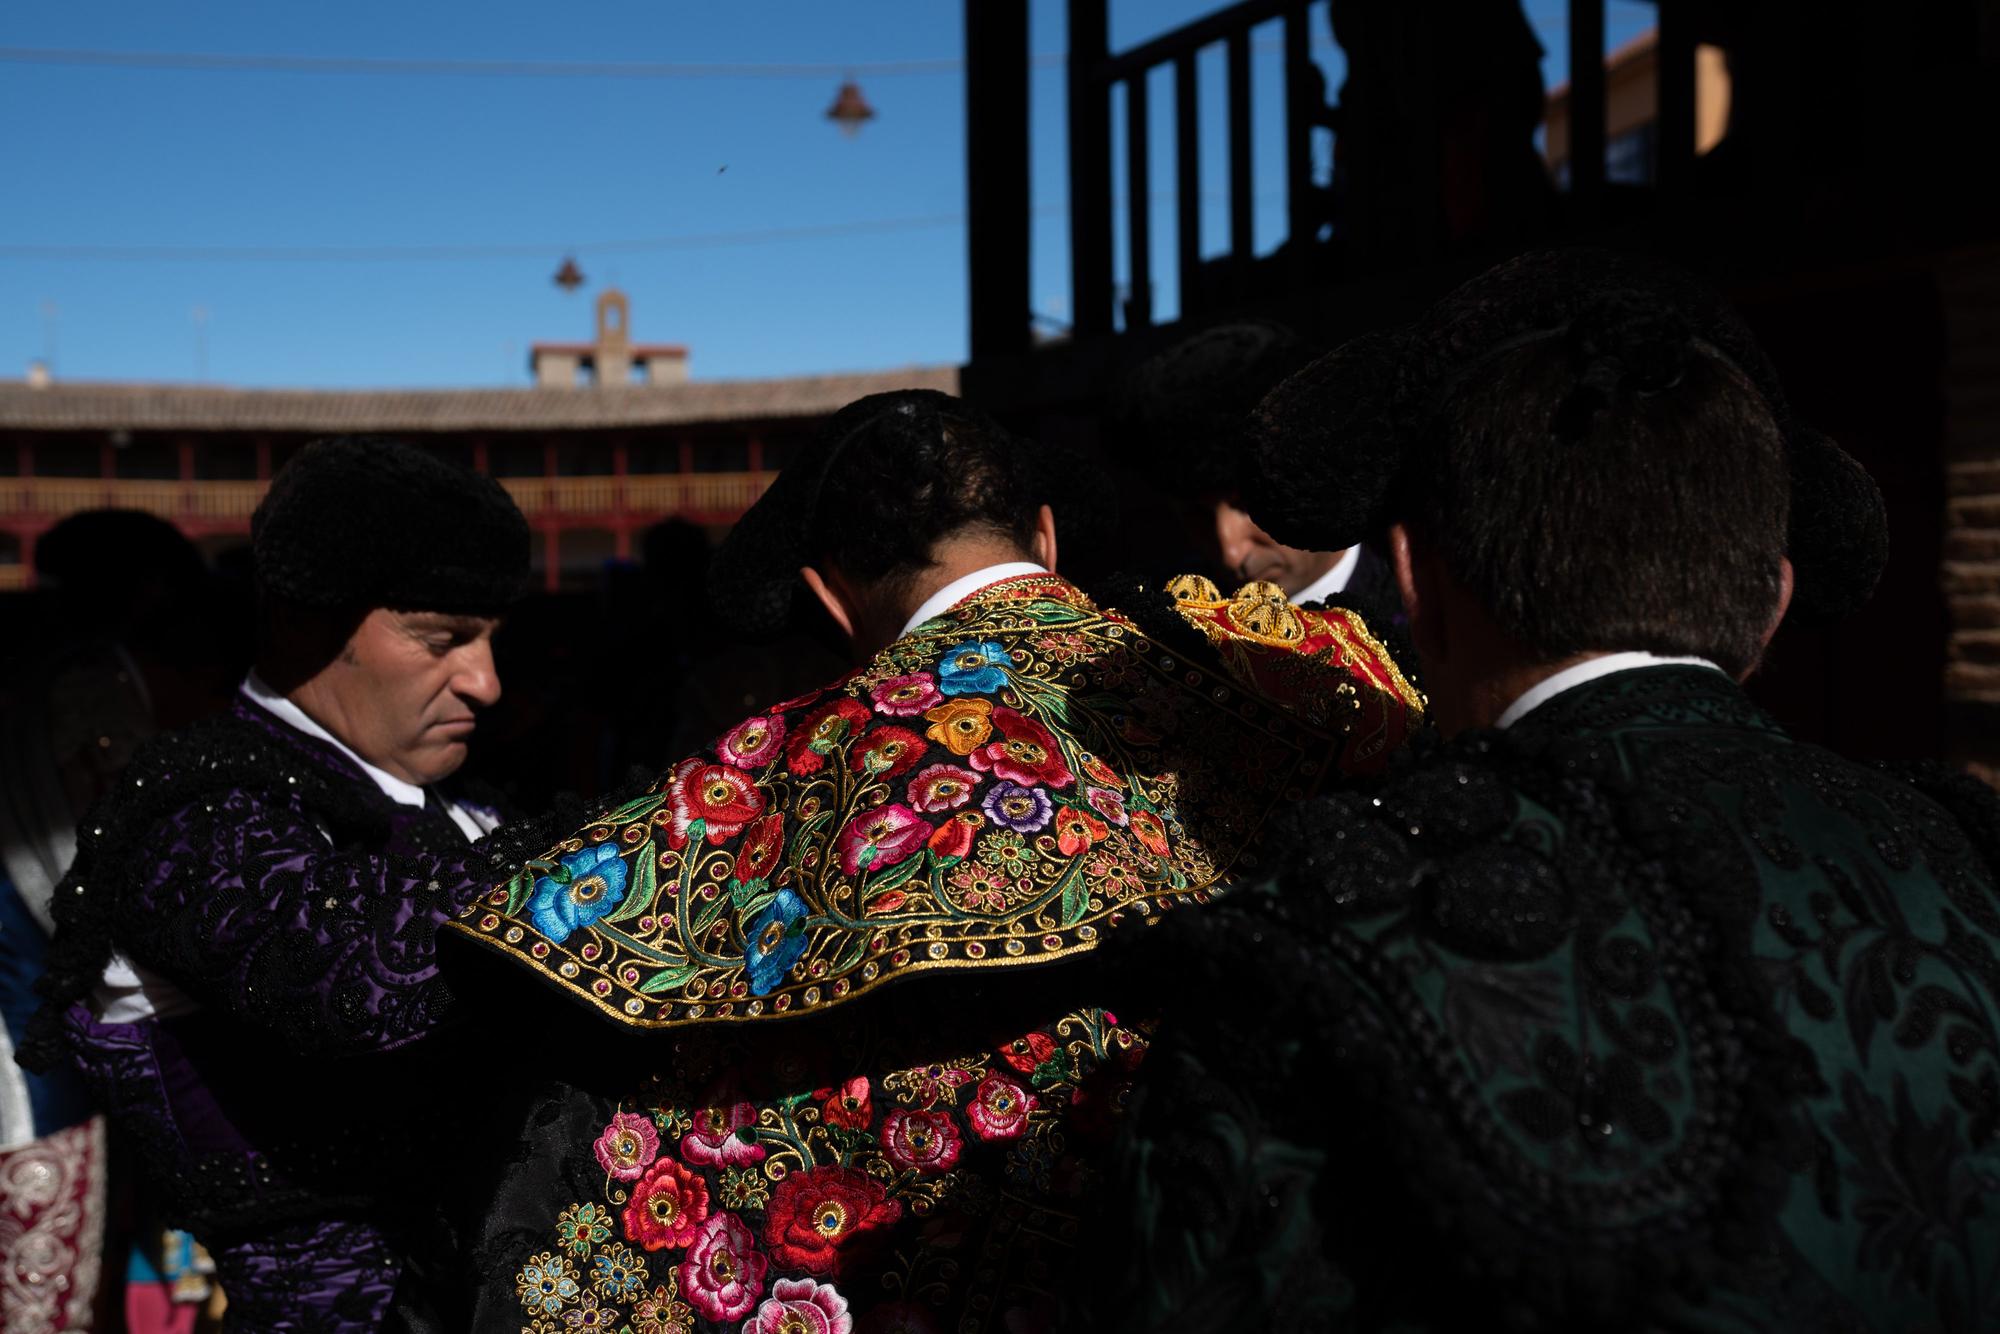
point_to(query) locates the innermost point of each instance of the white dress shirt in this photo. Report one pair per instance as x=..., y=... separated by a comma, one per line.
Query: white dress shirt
x=963, y=587
x=1333, y=581
x=1569, y=678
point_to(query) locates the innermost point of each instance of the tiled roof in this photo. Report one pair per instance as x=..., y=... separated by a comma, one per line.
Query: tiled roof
x=84, y=406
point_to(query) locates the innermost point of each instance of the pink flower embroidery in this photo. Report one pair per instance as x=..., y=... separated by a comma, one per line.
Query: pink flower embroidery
x=999, y=1108
x=628, y=1146
x=753, y=743
x=907, y=696
x=941, y=787
x=878, y=839
x=722, y=1275
x=1107, y=803
x=714, y=1142
x=925, y=1142
x=801, y=1306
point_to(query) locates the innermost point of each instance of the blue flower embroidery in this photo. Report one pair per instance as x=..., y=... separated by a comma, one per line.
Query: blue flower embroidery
x=770, y=945
x=596, y=886
x=976, y=667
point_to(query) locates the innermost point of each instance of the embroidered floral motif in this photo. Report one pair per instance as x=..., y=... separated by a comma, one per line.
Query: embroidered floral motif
x=584, y=1226
x=744, y=1188
x=1022, y=809
x=886, y=752
x=849, y=1105
x=711, y=800
x=814, y=1213
x=723, y=1274
x=908, y=695
x=668, y=1207
x=961, y=725
x=978, y=668
x=627, y=1147
x=941, y=787
x=617, y=1274
x=881, y=838
x=546, y=1284
x=999, y=1108
x=774, y=944
x=801, y=1306
x=715, y=1141
x=753, y=743
x=663, y=1312
x=1027, y=753
x=820, y=851
x=920, y=1141
x=585, y=886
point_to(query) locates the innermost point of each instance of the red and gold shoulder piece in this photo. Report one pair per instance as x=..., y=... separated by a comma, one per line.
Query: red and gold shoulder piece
x=1327, y=667
x=997, y=789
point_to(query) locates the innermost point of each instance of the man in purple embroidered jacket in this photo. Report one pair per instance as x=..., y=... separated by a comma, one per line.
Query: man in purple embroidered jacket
x=244, y=944
x=841, y=1059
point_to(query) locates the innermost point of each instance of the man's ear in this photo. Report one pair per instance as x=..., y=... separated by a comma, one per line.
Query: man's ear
x=1427, y=628
x=1785, y=583
x=1043, y=544
x=837, y=606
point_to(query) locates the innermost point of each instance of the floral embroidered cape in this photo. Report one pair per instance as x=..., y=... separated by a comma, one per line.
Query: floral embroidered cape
x=996, y=788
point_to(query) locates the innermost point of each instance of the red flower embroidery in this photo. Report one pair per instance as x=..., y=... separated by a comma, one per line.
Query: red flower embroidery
x=1099, y=771
x=722, y=797
x=1027, y=754
x=925, y=1142
x=813, y=1214
x=999, y=1108
x=823, y=729
x=886, y=752
x=1150, y=831
x=1027, y=1053
x=1076, y=831
x=668, y=1207
x=954, y=837
x=761, y=847
x=849, y=1105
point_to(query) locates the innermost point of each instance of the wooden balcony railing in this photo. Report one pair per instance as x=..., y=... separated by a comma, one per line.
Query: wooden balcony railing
x=714, y=497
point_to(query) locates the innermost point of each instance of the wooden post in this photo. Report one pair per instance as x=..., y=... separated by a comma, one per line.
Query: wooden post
x=1089, y=170
x=1673, y=145
x=999, y=294
x=1138, y=203
x=1242, y=245
x=1586, y=106
x=1187, y=182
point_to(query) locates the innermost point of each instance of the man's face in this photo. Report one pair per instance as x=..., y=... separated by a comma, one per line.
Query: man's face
x=1248, y=552
x=406, y=688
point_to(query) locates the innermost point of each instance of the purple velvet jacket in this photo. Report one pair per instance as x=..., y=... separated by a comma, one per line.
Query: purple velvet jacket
x=289, y=1123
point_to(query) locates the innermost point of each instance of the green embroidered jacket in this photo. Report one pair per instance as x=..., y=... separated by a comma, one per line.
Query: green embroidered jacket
x=1637, y=1015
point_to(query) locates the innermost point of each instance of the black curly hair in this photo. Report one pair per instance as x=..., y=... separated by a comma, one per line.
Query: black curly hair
x=913, y=469
x=884, y=480
x=1618, y=483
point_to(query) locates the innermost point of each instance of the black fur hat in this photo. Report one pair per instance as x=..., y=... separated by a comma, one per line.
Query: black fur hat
x=1329, y=446
x=1182, y=412
x=367, y=521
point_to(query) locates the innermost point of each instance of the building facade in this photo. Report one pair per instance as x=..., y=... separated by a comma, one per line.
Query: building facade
x=591, y=463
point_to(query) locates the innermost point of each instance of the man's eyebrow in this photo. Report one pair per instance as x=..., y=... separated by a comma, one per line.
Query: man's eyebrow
x=427, y=622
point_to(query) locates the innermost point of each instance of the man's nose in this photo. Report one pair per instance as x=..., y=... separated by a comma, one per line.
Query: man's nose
x=1234, y=537
x=477, y=680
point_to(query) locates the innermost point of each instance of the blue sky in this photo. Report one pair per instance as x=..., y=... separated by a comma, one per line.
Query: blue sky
x=174, y=158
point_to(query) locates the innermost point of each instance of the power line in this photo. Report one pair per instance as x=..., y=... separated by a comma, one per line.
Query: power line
x=498, y=250
x=533, y=69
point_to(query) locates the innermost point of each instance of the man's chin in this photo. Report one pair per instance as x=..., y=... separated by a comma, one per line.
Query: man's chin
x=438, y=761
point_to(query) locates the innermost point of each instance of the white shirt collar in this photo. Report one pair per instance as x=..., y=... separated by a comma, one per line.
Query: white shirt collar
x=1333, y=581
x=1569, y=678
x=963, y=587
x=407, y=794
